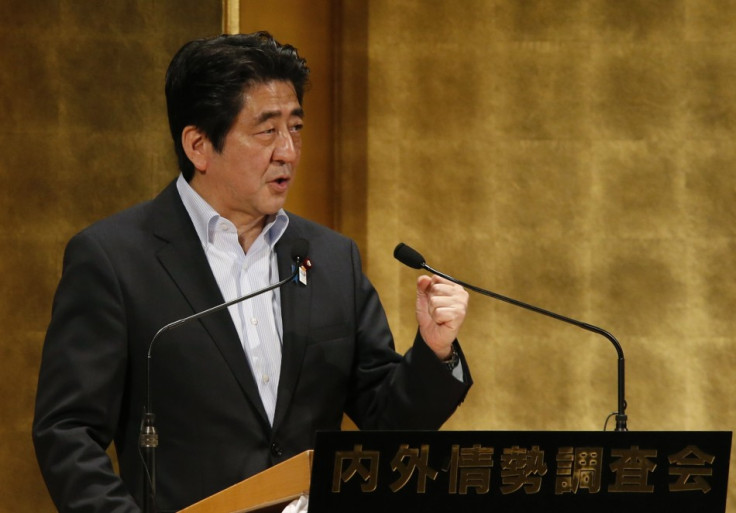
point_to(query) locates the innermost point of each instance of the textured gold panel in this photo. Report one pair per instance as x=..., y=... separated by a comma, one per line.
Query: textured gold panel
x=84, y=134
x=577, y=155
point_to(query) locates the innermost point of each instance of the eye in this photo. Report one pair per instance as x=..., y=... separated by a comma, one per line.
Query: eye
x=297, y=127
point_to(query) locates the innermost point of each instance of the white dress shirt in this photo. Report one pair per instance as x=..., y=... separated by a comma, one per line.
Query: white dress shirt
x=257, y=320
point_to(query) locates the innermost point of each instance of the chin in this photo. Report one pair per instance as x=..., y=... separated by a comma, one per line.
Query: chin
x=273, y=209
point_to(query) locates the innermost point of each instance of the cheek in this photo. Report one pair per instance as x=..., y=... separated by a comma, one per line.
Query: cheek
x=251, y=167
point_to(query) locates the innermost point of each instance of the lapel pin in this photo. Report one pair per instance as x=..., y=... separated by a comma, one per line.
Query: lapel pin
x=306, y=265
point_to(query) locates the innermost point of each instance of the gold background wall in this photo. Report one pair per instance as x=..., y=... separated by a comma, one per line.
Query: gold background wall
x=575, y=154
x=578, y=155
x=84, y=134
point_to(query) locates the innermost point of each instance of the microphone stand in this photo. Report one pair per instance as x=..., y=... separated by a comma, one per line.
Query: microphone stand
x=148, y=439
x=410, y=257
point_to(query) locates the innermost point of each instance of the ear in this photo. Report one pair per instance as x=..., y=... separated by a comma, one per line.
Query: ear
x=197, y=147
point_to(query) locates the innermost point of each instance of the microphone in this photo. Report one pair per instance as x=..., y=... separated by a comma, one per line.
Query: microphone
x=412, y=258
x=148, y=439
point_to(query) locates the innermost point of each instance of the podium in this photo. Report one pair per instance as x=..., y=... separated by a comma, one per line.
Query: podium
x=481, y=471
x=267, y=492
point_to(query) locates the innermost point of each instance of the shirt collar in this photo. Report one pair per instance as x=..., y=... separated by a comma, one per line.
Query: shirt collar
x=205, y=218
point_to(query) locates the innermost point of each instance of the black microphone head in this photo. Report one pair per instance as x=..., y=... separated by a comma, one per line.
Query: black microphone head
x=300, y=250
x=408, y=256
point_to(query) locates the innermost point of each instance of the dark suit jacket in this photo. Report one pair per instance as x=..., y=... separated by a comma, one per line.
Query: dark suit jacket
x=127, y=276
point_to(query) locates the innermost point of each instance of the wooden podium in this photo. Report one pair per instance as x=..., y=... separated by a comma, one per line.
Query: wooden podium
x=267, y=492
x=499, y=471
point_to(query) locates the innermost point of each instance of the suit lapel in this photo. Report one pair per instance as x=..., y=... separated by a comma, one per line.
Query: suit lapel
x=186, y=263
x=295, y=304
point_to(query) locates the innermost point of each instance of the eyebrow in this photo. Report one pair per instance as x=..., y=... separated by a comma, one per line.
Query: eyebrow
x=270, y=114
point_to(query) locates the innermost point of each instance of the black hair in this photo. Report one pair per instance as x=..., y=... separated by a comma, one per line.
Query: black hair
x=207, y=79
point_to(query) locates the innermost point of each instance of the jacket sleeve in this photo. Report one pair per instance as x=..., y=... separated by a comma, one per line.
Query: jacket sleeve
x=81, y=384
x=390, y=392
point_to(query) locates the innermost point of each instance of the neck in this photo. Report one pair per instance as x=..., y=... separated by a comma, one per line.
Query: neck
x=248, y=225
x=248, y=232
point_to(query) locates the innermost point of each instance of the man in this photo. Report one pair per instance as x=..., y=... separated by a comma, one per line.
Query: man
x=244, y=388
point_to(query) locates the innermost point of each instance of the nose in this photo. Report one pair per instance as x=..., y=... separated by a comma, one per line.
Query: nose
x=287, y=148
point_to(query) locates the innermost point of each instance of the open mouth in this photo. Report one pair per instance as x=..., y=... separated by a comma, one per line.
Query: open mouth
x=281, y=183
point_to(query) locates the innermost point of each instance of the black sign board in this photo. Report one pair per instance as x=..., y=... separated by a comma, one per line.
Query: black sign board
x=520, y=471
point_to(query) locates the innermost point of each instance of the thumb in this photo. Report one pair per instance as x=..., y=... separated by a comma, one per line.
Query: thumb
x=422, y=307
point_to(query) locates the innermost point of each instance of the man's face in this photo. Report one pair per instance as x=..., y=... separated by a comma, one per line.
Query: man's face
x=250, y=177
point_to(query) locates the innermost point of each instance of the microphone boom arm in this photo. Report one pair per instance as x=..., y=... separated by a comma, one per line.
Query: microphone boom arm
x=148, y=439
x=621, y=417
x=204, y=313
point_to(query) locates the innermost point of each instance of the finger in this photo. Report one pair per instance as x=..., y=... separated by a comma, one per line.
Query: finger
x=448, y=314
x=424, y=282
x=444, y=294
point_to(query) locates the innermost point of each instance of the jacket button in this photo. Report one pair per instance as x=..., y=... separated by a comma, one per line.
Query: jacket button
x=276, y=449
